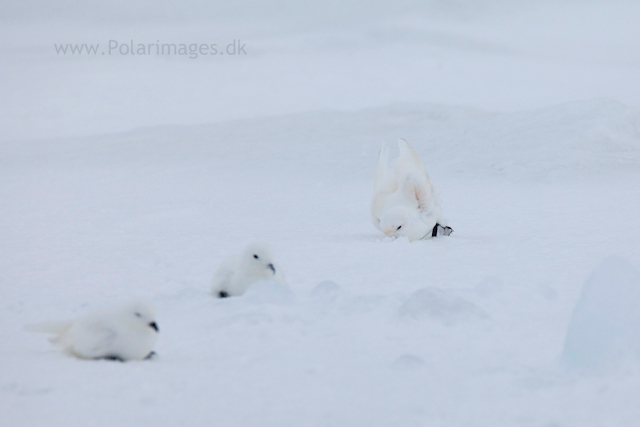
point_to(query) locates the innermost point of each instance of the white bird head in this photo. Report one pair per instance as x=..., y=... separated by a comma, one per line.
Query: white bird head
x=403, y=221
x=257, y=262
x=139, y=316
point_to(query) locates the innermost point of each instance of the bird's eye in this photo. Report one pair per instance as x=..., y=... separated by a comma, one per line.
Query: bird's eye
x=138, y=315
x=256, y=256
x=398, y=228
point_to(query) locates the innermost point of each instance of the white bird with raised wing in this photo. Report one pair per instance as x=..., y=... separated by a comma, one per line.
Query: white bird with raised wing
x=405, y=202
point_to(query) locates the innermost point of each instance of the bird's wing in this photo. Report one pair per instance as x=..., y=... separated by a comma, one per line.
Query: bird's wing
x=384, y=180
x=385, y=183
x=415, y=187
x=377, y=204
x=408, y=154
x=415, y=180
x=94, y=338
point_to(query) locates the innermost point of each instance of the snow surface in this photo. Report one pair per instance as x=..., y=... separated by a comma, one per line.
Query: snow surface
x=603, y=331
x=124, y=177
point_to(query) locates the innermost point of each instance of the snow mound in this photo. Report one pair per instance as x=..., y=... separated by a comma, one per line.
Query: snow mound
x=326, y=289
x=439, y=304
x=266, y=291
x=489, y=287
x=603, y=330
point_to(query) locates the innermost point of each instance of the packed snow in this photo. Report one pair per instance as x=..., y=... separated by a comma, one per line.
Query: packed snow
x=126, y=178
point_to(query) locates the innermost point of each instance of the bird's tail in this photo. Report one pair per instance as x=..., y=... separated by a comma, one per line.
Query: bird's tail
x=49, y=327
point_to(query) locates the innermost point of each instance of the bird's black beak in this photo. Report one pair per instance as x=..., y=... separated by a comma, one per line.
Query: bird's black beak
x=272, y=268
x=154, y=325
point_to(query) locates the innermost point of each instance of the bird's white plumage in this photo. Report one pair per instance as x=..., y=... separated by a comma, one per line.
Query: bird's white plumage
x=235, y=274
x=126, y=332
x=404, y=199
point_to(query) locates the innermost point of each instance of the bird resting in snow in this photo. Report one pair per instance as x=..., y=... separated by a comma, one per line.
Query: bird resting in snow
x=236, y=274
x=126, y=332
x=404, y=199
